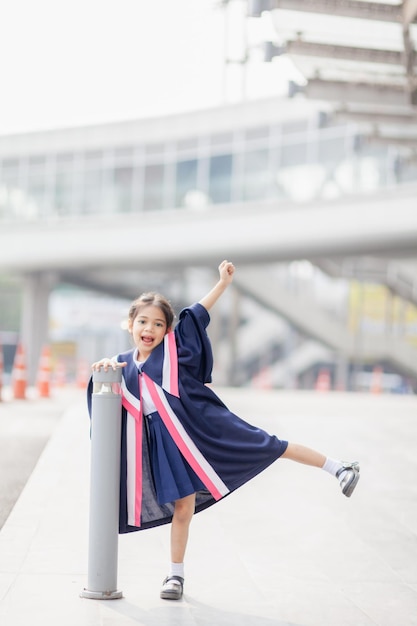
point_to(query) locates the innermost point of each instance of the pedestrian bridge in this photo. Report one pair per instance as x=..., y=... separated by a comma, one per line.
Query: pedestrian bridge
x=107, y=253
x=249, y=233
x=121, y=207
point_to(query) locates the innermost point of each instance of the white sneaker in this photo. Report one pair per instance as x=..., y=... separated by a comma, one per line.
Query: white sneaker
x=348, y=476
x=172, y=588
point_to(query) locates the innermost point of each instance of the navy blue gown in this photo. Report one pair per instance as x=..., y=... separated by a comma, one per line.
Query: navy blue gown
x=210, y=449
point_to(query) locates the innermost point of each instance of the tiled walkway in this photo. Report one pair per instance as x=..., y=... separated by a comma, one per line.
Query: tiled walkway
x=286, y=549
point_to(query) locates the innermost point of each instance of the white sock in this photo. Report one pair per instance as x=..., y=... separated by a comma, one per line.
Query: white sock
x=332, y=466
x=176, y=569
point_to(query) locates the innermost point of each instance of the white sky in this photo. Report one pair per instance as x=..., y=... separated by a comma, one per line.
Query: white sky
x=71, y=62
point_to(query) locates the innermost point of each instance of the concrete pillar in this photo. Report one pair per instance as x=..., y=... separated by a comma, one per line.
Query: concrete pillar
x=342, y=373
x=34, y=327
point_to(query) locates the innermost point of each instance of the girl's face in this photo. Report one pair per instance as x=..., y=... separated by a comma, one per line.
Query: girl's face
x=148, y=329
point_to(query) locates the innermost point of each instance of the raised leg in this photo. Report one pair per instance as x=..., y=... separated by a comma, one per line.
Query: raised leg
x=302, y=454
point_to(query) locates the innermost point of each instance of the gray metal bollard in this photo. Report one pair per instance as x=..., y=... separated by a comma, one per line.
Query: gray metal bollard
x=104, y=486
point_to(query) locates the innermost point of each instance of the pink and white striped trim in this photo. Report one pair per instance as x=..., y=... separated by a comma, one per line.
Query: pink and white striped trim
x=129, y=401
x=170, y=365
x=133, y=456
x=185, y=444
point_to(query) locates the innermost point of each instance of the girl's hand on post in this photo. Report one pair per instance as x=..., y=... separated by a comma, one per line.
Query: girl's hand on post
x=106, y=363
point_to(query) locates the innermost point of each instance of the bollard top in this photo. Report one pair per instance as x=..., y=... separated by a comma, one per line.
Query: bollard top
x=111, y=376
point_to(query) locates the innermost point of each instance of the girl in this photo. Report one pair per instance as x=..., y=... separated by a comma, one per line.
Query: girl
x=182, y=449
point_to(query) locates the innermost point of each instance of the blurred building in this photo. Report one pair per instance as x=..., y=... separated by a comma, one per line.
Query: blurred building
x=72, y=199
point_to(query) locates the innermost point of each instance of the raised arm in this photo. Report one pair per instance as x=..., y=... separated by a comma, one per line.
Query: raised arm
x=226, y=271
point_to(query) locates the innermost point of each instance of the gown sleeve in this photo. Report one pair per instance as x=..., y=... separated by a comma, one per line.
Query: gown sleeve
x=193, y=345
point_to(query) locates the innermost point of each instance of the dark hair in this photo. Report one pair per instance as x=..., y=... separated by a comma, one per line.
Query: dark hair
x=151, y=298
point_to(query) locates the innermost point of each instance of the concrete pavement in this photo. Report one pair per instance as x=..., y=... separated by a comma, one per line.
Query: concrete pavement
x=25, y=428
x=286, y=549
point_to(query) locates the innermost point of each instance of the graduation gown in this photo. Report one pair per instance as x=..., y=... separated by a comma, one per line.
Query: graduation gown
x=223, y=450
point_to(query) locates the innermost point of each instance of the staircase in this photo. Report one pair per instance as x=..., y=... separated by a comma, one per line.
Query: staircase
x=303, y=311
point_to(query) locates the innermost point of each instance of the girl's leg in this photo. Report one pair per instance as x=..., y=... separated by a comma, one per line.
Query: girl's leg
x=346, y=473
x=183, y=513
x=172, y=587
x=301, y=454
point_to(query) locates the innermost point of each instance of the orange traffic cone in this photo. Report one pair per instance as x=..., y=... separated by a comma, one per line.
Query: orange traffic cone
x=44, y=373
x=376, y=380
x=19, y=374
x=323, y=382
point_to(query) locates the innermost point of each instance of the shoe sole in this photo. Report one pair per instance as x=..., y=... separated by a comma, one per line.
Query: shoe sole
x=350, y=487
x=170, y=596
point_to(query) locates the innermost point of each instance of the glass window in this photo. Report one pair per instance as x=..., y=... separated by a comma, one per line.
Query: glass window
x=293, y=154
x=185, y=180
x=10, y=172
x=93, y=159
x=331, y=149
x=64, y=183
x=124, y=155
x=36, y=183
x=257, y=178
x=187, y=145
x=64, y=157
x=92, y=181
x=260, y=132
x=221, y=139
x=122, y=188
x=220, y=178
x=63, y=191
x=296, y=126
x=91, y=199
x=155, y=149
x=405, y=170
x=12, y=198
x=154, y=187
